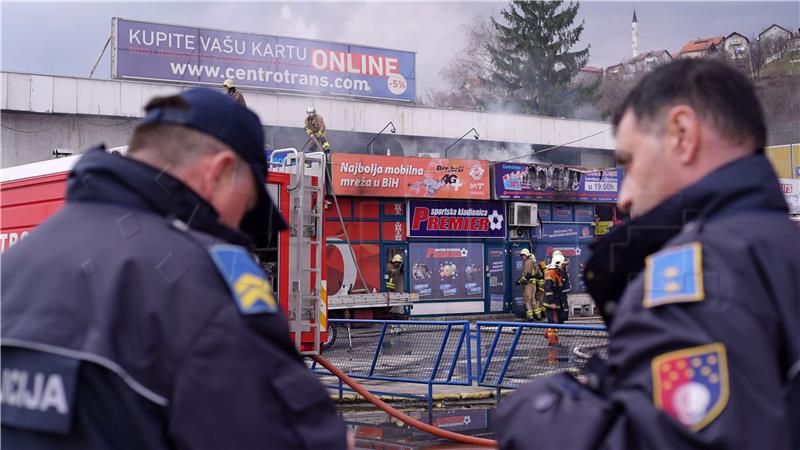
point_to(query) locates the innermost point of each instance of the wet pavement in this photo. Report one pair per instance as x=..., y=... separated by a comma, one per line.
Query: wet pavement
x=412, y=352
x=377, y=430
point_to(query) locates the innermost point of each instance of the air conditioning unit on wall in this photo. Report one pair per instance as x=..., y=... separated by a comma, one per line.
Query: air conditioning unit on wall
x=523, y=214
x=518, y=233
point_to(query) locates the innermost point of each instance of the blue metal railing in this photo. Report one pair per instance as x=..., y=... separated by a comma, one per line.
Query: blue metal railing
x=403, y=351
x=508, y=354
x=517, y=352
x=426, y=352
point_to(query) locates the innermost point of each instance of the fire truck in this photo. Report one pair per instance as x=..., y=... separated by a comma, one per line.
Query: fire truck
x=294, y=262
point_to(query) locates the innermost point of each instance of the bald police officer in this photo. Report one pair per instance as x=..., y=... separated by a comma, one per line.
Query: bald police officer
x=704, y=351
x=135, y=316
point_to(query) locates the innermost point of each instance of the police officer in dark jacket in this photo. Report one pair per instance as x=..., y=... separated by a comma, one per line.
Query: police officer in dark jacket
x=704, y=351
x=135, y=316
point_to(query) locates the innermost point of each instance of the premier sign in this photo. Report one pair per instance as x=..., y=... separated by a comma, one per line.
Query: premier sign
x=453, y=219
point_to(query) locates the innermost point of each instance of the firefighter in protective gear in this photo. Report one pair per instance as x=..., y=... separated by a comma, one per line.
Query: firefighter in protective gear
x=527, y=280
x=315, y=126
x=552, y=289
x=233, y=92
x=539, y=296
x=552, y=297
x=563, y=269
x=394, y=274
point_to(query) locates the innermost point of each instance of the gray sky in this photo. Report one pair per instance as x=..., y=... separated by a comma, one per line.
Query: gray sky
x=65, y=38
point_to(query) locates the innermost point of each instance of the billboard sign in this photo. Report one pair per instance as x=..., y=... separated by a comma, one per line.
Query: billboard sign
x=475, y=219
x=791, y=192
x=566, y=232
x=446, y=271
x=556, y=183
x=409, y=177
x=153, y=51
x=584, y=213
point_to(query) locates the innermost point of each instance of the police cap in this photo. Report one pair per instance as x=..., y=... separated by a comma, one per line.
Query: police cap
x=218, y=115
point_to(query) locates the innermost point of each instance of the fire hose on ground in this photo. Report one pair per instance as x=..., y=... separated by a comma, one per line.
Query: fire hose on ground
x=462, y=438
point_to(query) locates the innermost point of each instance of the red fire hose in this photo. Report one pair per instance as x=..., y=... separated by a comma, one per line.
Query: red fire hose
x=472, y=440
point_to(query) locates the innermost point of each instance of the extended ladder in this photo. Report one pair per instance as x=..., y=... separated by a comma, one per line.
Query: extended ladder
x=306, y=310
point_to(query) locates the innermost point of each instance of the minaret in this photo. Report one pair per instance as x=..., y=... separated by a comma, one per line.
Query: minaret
x=635, y=35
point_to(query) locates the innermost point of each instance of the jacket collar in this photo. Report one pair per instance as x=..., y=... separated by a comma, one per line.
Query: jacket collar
x=105, y=178
x=748, y=183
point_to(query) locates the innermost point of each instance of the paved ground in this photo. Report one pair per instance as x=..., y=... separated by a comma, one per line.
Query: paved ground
x=420, y=351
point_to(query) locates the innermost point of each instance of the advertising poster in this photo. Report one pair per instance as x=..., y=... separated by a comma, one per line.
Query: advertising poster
x=545, y=211
x=791, y=192
x=409, y=177
x=555, y=183
x=153, y=51
x=566, y=232
x=442, y=271
x=562, y=213
x=584, y=213
x=449, y=219
x=461, y=420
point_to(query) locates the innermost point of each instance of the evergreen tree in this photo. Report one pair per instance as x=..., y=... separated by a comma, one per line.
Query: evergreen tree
x=533, y=67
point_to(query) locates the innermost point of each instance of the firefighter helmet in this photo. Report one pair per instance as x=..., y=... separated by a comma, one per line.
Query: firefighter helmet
x=311, y=111
x=557, y=260
x=525, y=252
x=397, y=258
x=228, y=83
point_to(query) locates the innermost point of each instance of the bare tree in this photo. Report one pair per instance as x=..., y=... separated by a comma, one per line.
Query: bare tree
x=764, y=51
x=612, y=92
x=465, y=71
x=781, y=104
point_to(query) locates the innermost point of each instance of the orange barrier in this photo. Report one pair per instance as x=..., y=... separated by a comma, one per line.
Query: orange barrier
x=463, y=438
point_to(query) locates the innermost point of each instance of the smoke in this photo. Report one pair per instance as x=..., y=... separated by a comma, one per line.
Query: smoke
x=513, y=152
x=432, y=29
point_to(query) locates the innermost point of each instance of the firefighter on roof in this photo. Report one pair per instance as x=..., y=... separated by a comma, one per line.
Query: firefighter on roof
x=315, y=126
x=233, y=92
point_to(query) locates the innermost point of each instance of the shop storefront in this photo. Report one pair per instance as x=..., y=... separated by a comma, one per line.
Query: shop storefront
x=573, y=206
x=459, y=233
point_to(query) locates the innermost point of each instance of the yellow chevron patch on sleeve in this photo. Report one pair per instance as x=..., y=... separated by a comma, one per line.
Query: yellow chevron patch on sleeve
x=245, y=279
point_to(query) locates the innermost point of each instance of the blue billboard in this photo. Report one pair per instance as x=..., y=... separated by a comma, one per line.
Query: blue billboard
x=152, y=51
x=556, y=183
x=566, y=232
